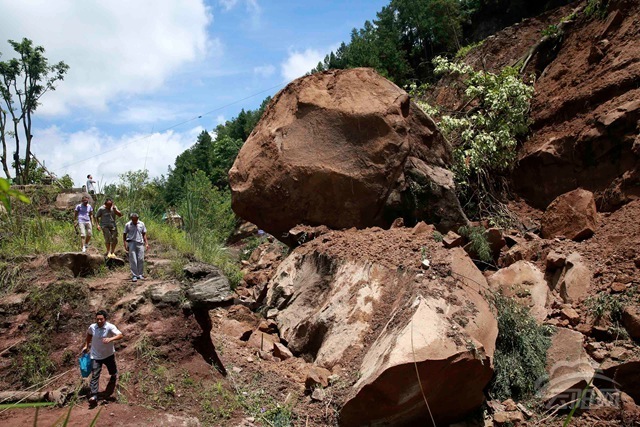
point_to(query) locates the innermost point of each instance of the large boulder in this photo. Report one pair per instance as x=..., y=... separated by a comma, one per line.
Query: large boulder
x=344, y=300
x=524, y=282
x=210, y=293
x=568, y=366
x=344, y=148
x=80, y=264
x=67, y=201
x=572, y=215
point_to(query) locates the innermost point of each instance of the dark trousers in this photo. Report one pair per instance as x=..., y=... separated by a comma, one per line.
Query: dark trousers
x=96, y=369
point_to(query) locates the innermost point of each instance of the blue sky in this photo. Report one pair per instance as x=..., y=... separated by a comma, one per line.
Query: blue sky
x=140, y=67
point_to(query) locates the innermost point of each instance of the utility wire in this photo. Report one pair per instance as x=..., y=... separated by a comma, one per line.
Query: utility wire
x=65, y=167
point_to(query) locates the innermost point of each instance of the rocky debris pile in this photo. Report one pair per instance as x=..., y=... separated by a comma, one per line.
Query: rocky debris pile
x=341, y=301
x=258, y=270
x=344, y=148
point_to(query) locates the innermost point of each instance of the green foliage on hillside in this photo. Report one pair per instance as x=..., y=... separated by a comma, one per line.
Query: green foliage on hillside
x=213, y=153
x=521, y=351
x=406, y=35
x=484, y=132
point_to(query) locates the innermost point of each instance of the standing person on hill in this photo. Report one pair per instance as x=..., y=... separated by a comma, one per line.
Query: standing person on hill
x=90, y=187
x=83, y=217
x=106, y=221
x=100, y=338
x=135, y=243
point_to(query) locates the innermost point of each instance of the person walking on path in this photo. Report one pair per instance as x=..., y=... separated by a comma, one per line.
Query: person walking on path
x=99, y=344
x=83, y=217
x=106, y=221
x=91, y=189
x=135, y=243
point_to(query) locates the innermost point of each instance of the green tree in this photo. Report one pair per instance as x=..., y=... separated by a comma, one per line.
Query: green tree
x=212, y=155
x=23, y=82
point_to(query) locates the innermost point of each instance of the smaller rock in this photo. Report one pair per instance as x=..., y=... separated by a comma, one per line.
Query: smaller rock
x=555, y=260
x=272, y=313
x=618, y=288
x=423, y=228
x=507, y=418
x=268, y=327
x=510, y=405
x=601, y=333
x=496, y=241
x=452, y=240
x=425, y=264
x=571, y=315
x=599, y=355
x=572, y=215
x=282, y=352
x=236, y=369
x=166, y=294
x=631, y=321
x=210, y=293
x=525, y=411
x=317, y=377
x=265, y=355
x=318, y=395
x=80, y=264
x=200, y=270
x=397, y=223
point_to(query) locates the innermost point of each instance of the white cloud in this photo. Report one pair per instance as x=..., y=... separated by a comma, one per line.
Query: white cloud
x=147, y=113
x=264, y=70
x=105, y=157
x=299, y=63
x=252, y=7
x=113, y=48
x=220, y=120
x=228, y=4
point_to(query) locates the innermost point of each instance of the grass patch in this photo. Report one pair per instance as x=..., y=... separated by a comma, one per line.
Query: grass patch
x=464, y=50
x=146, y=350
x=12, y=277
x=609, y=307
x=521, y=351
x=49, y=304
x=33, y=364
x=37, y=235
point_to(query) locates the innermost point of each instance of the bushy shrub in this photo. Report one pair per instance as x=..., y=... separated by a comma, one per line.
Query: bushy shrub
x=521, y=351
x=484, y=133
x=478, y=242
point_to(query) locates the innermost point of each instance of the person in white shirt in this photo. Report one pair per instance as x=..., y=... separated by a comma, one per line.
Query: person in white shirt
x=135, y=243
x=91, y=189
x=100, y=338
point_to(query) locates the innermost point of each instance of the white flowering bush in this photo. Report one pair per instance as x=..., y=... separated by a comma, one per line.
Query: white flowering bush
x=484, y=133
x=485, y=136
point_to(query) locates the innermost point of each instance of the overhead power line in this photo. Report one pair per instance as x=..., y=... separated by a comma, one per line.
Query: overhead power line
x=125, y=144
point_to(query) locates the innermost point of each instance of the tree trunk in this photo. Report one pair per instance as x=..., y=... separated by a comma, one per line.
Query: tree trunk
x=3, y=125
x=26, y=122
